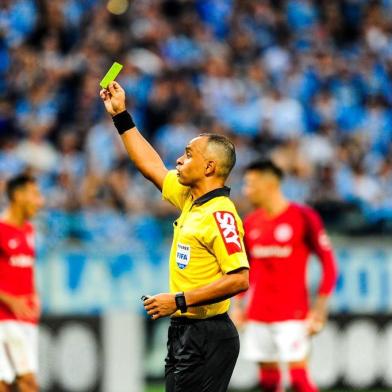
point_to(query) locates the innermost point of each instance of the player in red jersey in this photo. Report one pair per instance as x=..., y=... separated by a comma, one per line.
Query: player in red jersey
x=279, y=237
x=19, y=304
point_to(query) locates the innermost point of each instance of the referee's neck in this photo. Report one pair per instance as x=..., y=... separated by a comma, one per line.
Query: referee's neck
x=200, y=189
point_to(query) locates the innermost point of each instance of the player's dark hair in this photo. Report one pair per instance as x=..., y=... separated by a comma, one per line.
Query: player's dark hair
x=266, y=165
x=228, y=150
x=16, y=183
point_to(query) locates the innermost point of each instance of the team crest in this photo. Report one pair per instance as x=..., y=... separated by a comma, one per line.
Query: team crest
x=13, y=243
x=283, y=232
x=183, y=255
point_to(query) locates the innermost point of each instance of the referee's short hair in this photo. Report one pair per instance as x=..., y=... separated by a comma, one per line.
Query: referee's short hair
x=16, y=183
x=225, y=150
x=266, y=165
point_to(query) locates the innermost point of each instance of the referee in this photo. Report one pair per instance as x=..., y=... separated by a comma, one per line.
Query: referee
x=208, y=263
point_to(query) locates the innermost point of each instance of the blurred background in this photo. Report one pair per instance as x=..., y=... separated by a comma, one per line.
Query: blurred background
x=307, y=82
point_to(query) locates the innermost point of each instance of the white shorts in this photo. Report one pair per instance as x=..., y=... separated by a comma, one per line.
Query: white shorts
x=285, y=341
x=18, y=349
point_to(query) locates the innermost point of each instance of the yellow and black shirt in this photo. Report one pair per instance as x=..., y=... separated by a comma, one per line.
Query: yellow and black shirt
x=207, y=242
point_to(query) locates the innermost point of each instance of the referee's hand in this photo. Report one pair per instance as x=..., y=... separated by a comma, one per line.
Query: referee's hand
x=114, y=98
x=160, y=305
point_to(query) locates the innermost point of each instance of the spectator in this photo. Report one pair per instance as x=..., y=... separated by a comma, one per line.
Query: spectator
x=306, y=78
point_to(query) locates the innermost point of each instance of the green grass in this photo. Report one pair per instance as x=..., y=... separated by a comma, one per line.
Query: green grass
x=155, y=388
x=160, y=388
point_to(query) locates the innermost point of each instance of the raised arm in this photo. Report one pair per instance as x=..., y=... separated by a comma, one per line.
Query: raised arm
x=140, y=151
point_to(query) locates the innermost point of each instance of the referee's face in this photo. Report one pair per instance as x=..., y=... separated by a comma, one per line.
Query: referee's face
x=191, y=166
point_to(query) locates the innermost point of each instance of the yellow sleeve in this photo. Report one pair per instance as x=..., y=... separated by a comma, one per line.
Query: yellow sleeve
x=173, y=191
x=224, y=237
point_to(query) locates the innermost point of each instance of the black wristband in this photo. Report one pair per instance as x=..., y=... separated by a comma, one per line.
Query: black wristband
x=181, y=302
x=123, y=122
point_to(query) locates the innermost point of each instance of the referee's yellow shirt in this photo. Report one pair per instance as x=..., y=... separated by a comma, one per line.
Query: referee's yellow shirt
x=207, y=242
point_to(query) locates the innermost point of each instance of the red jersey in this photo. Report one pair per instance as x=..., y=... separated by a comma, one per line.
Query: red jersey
x=278, y=250
x=17, y=259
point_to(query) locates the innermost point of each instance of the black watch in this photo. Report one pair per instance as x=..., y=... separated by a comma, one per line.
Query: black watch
x=181, y=302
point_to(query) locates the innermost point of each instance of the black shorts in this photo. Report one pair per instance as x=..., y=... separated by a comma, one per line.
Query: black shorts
x=201, y=354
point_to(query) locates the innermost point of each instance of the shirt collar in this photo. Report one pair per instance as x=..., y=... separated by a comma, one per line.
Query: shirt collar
x=224, y=191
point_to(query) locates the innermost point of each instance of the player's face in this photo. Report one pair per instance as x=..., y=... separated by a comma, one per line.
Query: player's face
x=257, y=187
x=30, y=199
x=191, y=165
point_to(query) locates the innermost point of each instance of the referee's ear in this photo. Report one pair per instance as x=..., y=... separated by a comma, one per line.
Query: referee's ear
x=211, y=168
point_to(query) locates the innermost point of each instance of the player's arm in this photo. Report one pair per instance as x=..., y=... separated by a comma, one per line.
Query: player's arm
x=228, y=285
x=139, y=150
x=318, y=314
x=238, y=311
x=321, y=246
x=20, y=306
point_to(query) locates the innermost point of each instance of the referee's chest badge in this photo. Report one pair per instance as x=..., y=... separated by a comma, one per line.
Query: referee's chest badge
x=183, y=255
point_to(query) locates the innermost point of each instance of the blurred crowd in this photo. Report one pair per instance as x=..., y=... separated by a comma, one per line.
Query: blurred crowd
x=305, y=82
